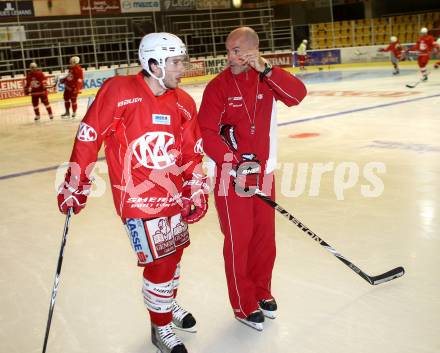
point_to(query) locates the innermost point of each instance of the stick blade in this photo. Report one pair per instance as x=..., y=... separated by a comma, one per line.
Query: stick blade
x=388, y=276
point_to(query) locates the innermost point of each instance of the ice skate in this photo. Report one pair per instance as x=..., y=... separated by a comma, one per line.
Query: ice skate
x=37, y=117
x=164, y=338
x=269, y=308
x=73, y=115
x=396, y=72
x=254, y=320
x=66, y=115
x=425, y=78
x=51, y=117
x=182, y=319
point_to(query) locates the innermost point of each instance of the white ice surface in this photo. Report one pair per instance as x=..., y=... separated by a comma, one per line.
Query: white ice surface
x=324, y=307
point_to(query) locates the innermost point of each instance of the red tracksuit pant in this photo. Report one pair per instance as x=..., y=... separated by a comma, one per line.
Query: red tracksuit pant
x=248, y=226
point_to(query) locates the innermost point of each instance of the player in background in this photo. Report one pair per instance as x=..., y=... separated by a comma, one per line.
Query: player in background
x=396, y=53
x=437, y=64
x=73, y=84
x=36, y=86
x=424, y=46
x=302, y=54
x=237, y=118
x=154, y=154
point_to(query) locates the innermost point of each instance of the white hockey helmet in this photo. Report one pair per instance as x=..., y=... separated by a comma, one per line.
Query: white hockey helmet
x=74, y=60
x=33, y=65
x=159, y=46
x=305, y=41
x=393, y=39
x=423, y=30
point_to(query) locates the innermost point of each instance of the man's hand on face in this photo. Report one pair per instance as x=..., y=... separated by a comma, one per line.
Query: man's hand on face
x=253, y=59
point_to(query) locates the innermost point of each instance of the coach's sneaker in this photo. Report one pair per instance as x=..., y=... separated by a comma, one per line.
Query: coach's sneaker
x=182, y=319
x=164, y=338
x=269, y=308
x=254, y=320
x=66, y=115
x=37, y=117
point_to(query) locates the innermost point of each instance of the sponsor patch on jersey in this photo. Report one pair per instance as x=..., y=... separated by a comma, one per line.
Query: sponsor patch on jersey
x=161, y=119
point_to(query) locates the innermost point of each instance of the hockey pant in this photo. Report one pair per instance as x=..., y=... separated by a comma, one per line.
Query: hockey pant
x=158, y=244
x=423, y=60
x=44, y=99
x=248, y=226
x=301, y=60
x=70, y=96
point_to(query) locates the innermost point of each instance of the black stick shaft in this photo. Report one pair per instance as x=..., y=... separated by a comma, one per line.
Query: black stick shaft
x=397, y=272
x=57, y=278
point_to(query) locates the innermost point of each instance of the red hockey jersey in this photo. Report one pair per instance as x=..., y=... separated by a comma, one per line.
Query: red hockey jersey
x=152, y=145
x=75, y=77
x=395, y=48
x=424, y=45
x=36, y=82
x=249, y=104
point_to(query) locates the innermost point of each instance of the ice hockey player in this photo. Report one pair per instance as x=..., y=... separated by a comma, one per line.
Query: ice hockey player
x=73, y=83
x=437, y=64
x=154, y=153
x=396, y=53
x=302, y=54
x=424, y=46
x=36, y=86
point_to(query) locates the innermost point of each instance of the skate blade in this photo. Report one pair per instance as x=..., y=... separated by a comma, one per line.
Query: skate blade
x=269, y=314
x=255, y=325
x=190, y=329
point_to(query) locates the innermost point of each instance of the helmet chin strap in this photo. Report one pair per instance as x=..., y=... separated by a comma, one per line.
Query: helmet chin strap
x=159, y=79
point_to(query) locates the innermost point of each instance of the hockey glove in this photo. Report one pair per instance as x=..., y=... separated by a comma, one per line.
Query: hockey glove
x=247, y=171
x=247, y=175
x=194, y=199
x=73, y=194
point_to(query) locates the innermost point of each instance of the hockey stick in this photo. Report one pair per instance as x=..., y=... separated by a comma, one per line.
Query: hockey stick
x=412, y=85
x=373, y=280
x=57, y=278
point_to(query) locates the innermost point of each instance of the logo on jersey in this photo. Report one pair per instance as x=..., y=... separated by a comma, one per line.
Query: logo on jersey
x=235, y=102
x=198, y=147
x=86, y=133
x=152, y=150
x=35, y=83
x=161, y=119
x=129, y=101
